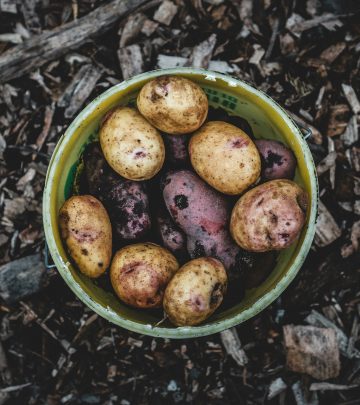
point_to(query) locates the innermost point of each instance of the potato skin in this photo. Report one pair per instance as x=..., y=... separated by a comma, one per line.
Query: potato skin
x=86, y=230
x=270, y=216
x=171, y=236
x=195, y=292
x=126, y=201
x=225, y=157
x=203, y=214
x=173, y=104
x=277, y=161
x=139, y=274
x=131, y=146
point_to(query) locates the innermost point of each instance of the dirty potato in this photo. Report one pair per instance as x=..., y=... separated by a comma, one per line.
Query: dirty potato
x=195, y=291
x=270, y=216
x=173, y=104
x=225, y=157
x=277, y=161
x=86, y=230
x=131, y=146
x=140, y=273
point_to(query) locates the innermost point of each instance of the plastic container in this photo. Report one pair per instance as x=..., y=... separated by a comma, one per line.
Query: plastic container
x=267, y=119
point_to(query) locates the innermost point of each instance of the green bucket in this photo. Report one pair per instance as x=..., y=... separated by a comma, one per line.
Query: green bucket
x=267, y=119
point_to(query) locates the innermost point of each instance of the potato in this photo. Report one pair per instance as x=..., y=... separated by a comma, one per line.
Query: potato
x=277, y=161
x=126, y=201
x=86, y=230
x=225, y=157
x=203, y=214
x=173, y=104
x=140, y=273
x=131, y=146
x=195, y=292
x=270, y=216
x=172, y=237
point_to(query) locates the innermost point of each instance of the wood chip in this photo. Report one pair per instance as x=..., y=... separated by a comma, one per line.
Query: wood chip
x=48, y=117
x=331, y=53
x=316, y=319
x=296, y=24
x=80, y=89
x=301, y=396
x=26, y=178
x=50, y=45
x=327, y=229
x=338, y=119
x=257, y=55
x=32, y=21
x=11, y=38
x=8, y=6
x=131, y=61
x=149, y=27
x=348, y=250
x=166, y=12
x=323, y=386
x=351, y=98
x=202, y=53
x=276, y=387
x=351, y=133
x=353, y=155
x=14, y=207
x=313, y=351
x=232, y=344
x=326, y=163
x=22, y=277
x=132, y=28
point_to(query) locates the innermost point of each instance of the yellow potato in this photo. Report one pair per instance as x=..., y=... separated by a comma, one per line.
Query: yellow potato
x=140, y=273
x=269, y=216
x=225, y=157
x=86, y=230
x=173, y=104
x=195, y=291
x=131, y=146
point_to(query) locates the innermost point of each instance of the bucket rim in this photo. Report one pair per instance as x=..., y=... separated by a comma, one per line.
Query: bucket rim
x=184, y=331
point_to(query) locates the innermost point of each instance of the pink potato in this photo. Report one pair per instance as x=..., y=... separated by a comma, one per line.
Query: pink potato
x=203, y=214
x=277, y=161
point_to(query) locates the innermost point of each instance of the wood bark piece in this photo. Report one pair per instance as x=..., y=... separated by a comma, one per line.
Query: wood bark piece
x=351, y=133
x=83, y=88
x=323, y=386
x=166, y=12
x=276, y=387
x=21, y=278
x=131, y=61
x=202, y=53
x=8, y=6
x=50, y=45
x=132, y=28
x=327, y=230
x=232, y=344
x=313, y=351
x=316, y=319
x=302, y=397
x=351, y=98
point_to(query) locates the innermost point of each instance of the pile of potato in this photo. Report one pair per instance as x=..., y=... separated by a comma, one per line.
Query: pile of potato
x=163, y=169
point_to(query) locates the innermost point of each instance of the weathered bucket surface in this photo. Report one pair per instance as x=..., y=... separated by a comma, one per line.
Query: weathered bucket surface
x=267, y=119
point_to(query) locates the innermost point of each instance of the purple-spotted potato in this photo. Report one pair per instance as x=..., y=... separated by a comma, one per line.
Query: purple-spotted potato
x=203, y=214
x=86, y=230
x=173, y=104
x=225, y=157
x=195, y=292
x=277, y=161
x=139, y=274
x=269, y=216
x=131, y=145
